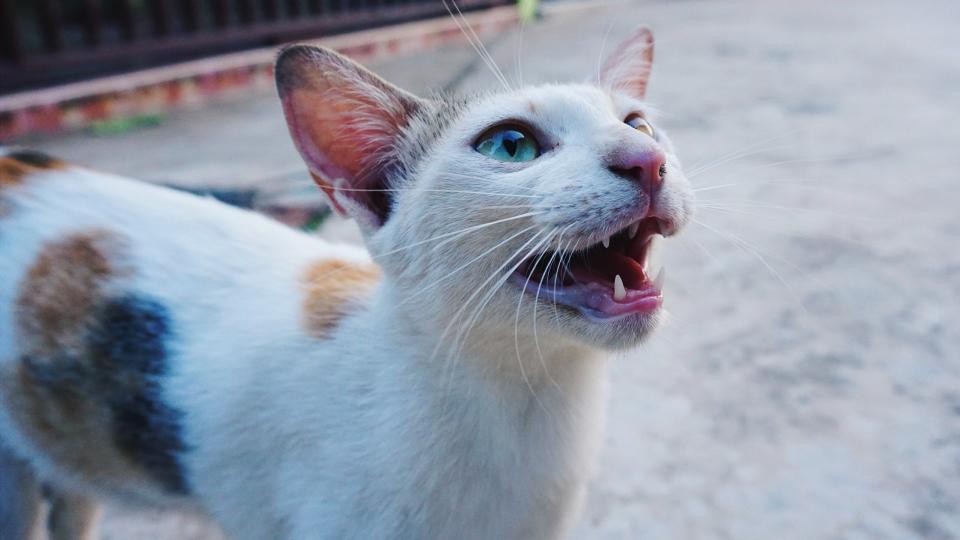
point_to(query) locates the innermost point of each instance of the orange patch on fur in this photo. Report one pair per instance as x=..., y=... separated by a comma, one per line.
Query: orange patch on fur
x=16, y=166
x=335, y=288
x=52, y=392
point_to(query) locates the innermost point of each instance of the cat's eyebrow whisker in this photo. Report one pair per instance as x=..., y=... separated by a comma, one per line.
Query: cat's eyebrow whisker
x=476, y=42
x=518, y=61
x=603, y=45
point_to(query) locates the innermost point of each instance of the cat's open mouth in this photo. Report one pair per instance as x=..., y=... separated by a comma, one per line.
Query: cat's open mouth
x=607, y=280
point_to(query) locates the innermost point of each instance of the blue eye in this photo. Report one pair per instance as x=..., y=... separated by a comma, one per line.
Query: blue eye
x=508, y=143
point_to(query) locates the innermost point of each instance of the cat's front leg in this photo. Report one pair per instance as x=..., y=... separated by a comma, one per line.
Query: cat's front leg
x=73, y=516
x=20, y=498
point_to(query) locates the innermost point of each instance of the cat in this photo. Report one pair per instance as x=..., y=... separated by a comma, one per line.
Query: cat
x=446, y=382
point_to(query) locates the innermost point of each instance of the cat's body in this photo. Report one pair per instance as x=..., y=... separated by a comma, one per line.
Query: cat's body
x=170, y=350
x=243, y=391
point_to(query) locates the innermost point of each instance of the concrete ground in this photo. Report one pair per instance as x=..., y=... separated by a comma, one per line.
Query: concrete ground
x=808, y=386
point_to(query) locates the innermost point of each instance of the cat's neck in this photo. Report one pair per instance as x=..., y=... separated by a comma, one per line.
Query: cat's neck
x=476, y=344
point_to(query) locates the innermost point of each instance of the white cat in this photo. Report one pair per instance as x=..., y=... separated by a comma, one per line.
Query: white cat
x=167, y=349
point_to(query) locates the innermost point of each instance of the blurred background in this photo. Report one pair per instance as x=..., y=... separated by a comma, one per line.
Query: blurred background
x=808, y=384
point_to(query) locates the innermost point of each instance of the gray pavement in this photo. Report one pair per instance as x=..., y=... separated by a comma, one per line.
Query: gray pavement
x=808, y=386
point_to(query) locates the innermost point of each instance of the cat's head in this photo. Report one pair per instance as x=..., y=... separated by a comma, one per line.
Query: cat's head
x=518, y=211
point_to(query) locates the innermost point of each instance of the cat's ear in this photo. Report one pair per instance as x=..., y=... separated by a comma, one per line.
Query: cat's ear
x=345, y=122
x=628, y=68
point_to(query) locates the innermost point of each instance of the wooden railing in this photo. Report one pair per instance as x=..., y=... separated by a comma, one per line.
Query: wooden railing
x=47, y=42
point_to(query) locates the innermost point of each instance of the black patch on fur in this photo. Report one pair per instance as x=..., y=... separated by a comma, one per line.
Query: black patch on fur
x=130, y=346
x=33, y=158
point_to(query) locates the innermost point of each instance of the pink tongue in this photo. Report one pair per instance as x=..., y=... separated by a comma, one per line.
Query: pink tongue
x=595, y=299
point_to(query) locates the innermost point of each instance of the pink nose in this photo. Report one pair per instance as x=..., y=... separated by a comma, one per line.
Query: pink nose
x=645, y=166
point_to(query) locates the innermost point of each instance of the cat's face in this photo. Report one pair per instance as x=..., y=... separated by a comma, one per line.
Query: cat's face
x=534, y=207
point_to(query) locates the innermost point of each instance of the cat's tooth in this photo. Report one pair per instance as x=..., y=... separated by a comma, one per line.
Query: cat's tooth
x=632, y=231
x=658, y=281
x=619, y=292
x=606, y=242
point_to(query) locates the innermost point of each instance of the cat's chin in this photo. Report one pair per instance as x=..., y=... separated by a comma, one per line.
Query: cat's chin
x=620, y=334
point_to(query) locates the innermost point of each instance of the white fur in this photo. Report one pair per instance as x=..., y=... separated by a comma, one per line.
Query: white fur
x=357, y=437
x=403, y=424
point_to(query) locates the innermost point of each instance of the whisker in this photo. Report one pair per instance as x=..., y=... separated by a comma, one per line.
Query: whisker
x=487, y=179
x=454, y=272
x=516, y=333
x=556, y=275
x=480, y=43
x=475, y=42
x=518, y=61
x=701, y=246
x=461, y=232
x=745, y=246
x=472, y=320
x=431, y=190
x=735, y=206
x=455, y=349
x=603, y=45
x=768, y=221
x=792, y=182
x=536, y=301
x=523, y=290
x=450, y=237
x=749, y=150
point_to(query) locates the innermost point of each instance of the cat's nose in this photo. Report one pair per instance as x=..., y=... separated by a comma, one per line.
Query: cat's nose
x=647, y=166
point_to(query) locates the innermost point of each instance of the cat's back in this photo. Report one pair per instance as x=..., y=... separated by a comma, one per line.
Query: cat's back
x=66, y=229
x=112, y=288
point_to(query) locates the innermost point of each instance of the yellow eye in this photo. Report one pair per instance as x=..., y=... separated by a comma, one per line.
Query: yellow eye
x=638, y=123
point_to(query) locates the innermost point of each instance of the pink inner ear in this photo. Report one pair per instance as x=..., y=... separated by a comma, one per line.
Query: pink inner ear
x=628, y=67
x=346, y=144
x=344, y=121
x=329, y=135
